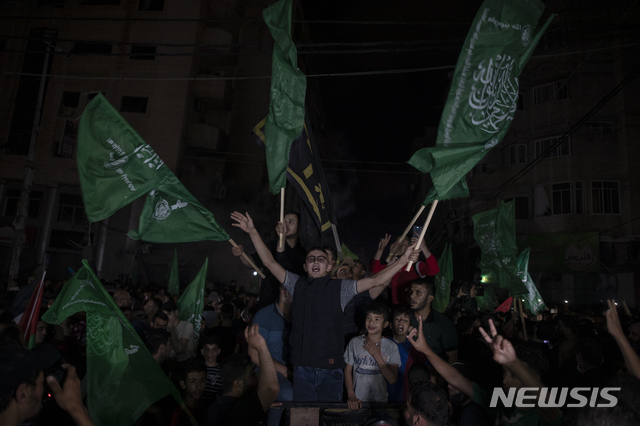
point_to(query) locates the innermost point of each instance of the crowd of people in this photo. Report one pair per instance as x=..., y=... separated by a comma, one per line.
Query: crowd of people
x=323, y=329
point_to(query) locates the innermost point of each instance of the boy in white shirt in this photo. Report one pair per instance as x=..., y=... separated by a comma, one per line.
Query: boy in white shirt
x=372, y=360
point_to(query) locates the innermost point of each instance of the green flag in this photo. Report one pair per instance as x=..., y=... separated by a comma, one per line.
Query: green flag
x=495, y=233
x=459, y=190
x=173, y=287
x=191, y=303
x=530, y=297
x=347, y=252
x=115, y=165
x=484, y=93
x=172, y=215
x=123, y=379
x=487, y=302
x=288, y=86
x=443, y=280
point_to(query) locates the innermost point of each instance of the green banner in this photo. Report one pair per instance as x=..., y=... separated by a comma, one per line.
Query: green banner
x=563, y=253
x=115, y=165
x=191, y=303
x=172, y=215
x=288, y=87
x=443, y=280
x=173, y=286
x=495, y=233
x=123, y=379
x=531, y=298
x=484, y=93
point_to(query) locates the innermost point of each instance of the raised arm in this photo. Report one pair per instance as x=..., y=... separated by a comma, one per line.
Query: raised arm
x=237, y=252
x=381, y=246
x=384, y=277
x=446, y=370
x=505, y=354
x=244, y=222
x=268, y=386
x=631, y=359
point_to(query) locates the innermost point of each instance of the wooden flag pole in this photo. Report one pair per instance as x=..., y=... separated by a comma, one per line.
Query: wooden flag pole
x=281, y=240
x=406, y=231
x=424, y=231
x=248, y=259
x=524, y=326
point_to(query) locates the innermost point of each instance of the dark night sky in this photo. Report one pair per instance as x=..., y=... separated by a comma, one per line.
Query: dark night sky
x=375, y=118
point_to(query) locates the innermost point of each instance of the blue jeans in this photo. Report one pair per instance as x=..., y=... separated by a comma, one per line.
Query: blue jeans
x=286, y=394
x=317, y=384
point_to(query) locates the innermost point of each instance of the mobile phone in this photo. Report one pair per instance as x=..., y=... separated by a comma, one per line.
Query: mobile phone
x=417, y=230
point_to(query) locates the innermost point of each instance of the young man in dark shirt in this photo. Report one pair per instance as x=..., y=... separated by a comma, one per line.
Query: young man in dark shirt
x=317, y=315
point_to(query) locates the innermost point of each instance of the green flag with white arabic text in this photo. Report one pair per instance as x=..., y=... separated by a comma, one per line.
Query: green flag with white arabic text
x=531, y=298
x=191, y=303
x=172, y=215
x=288, y=87
x=443, y=280
x=123, y=379
x=484, y=93
x=115, y=165
x=495, y=233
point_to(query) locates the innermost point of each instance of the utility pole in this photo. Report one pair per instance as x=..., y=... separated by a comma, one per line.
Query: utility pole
x=23, y=202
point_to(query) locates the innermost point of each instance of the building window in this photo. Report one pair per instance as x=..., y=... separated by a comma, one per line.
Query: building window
x=549, y=92
x=151, y=5
x=551, y=148
x=578, y=197
x=133, y=104
x=601, y=131
x=70, y=208
x=517, y=154
x=91, y=48
x=605, y=197
x=143, y=52
x=11, y=203
x=561, y=198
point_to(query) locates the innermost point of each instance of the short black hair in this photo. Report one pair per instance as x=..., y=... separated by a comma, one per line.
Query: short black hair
x=156, y=337
x=364, y=267
x=430, y=286
x=431, y=402
x=233, y=368
x=378, y=307
x=211, y=339
x=190, y=365
x=402, y=310
x=170, y=306
x=333, y=251
x=319, y=248
x=161, y=315
x=531, y=353
x=293, y=212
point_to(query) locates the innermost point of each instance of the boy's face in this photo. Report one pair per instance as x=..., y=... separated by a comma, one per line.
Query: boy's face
x=401, y=325
x=344, y=273
x=194, y=384
x=210, y=353
x=317, y=264
x=375, y=323
x=290, y=225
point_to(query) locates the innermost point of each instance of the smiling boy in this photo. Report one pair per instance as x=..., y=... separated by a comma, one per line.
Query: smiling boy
x=317, y=314
x=372, y=360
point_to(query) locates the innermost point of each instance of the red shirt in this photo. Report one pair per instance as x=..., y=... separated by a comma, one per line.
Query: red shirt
x=402, y=279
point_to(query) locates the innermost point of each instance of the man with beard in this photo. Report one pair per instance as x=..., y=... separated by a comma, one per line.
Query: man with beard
x=438, y=329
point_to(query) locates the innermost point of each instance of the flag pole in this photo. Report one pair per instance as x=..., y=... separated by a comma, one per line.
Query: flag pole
x=424, y=231
x=524, y=326
x=248, y=259
x=281, y=240
x=406, y=231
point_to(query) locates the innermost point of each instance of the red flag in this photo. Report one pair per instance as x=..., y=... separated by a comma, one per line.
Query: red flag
x=506, y=305
x=29, y=321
